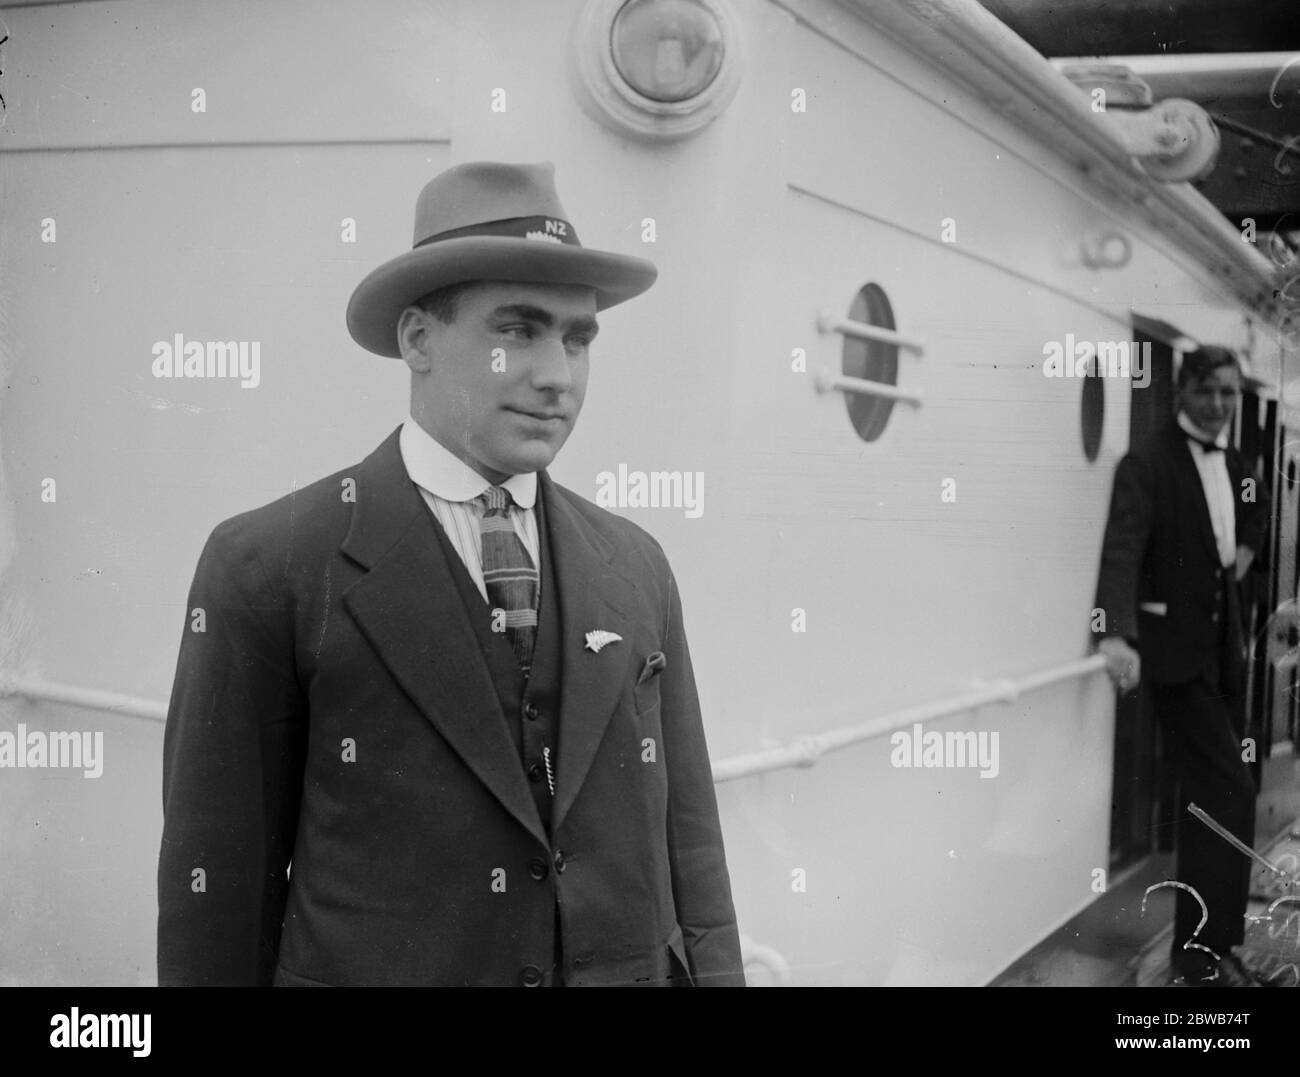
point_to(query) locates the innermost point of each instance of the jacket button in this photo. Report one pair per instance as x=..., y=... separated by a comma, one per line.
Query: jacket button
x=537, y=868
x=534, y=773
x=530, y=711
x=531, y=976
x=559, y=861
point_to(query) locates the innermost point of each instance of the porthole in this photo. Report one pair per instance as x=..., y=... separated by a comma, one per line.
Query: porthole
x=667, y=50
x=872, y=360
x=655, y=69
x=1092, y=414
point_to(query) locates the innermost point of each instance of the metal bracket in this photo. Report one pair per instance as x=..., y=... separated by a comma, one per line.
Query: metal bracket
x=1174, y=141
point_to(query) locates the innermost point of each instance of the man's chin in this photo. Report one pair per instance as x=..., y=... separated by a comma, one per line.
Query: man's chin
x=533, y=456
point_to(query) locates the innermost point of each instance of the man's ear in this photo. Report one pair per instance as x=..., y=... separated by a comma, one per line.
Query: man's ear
x=413, y=332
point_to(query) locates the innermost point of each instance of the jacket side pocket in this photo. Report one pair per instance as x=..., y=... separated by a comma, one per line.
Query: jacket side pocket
x=285, y=978
x=679, y=974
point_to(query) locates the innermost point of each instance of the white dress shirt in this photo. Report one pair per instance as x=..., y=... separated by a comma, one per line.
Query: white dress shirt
x=449, y=487
x=1219, y=496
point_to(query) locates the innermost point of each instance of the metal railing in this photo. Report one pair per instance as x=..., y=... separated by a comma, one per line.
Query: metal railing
x=828, y=323
x=825, y=382
x=805, y=751
x=91, y=698
x=756, y=955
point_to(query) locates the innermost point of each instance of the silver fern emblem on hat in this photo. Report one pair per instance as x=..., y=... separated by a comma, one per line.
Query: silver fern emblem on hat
x=598, y=638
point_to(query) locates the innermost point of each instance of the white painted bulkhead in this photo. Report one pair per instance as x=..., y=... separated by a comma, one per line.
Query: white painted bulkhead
x=226, y=225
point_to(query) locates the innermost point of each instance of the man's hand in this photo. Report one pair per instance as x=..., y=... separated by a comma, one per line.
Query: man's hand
x=1245, y=558
x=1284, y=631
x=1122, y=663
x=1285, y=622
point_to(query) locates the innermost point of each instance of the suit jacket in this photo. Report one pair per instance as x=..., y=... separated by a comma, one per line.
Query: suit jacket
x=334, y=621
x=1161, y=585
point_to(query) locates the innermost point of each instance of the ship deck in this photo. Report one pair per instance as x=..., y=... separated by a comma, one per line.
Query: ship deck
x=1113, y=944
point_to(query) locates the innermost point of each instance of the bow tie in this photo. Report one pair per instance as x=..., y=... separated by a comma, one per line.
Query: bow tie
x=1206, y=446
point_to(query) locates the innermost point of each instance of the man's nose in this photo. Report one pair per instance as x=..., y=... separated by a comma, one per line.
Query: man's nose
x=550, y=366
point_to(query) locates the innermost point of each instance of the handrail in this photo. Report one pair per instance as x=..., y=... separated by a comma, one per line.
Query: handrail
x=828, y=323
x=805, y=751
x=91, y=698
x=825, y=382
x=754, y=953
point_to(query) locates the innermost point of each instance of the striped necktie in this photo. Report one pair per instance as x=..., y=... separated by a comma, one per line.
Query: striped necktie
x=509, y=575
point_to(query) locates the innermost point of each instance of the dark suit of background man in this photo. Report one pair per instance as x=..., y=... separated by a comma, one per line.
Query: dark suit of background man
x=1184, y=528
x=472, y=788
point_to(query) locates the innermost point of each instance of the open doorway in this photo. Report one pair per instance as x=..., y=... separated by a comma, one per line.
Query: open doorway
x=1141, y=798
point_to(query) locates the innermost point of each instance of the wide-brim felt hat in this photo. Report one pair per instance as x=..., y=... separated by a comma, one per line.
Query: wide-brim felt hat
x=494, y=222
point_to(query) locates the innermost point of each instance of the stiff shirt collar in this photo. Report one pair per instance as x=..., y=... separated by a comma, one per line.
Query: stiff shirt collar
x=1193, y=431
x=434, y=468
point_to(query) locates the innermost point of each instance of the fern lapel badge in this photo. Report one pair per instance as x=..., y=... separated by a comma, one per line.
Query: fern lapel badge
x=598, y=638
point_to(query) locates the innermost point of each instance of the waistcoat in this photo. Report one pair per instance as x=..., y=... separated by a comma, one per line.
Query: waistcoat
x=530, y=707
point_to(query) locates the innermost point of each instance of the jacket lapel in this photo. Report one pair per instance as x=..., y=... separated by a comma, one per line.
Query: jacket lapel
x=408, y=607
x=593, y=594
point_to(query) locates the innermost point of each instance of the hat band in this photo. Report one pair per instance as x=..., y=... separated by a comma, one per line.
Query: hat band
x=547, y=229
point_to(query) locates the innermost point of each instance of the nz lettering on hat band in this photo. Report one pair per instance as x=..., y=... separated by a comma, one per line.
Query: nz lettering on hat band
x=551, y=229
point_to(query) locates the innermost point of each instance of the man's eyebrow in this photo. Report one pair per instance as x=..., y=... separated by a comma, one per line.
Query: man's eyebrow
x=583, y=323
x=526, y=311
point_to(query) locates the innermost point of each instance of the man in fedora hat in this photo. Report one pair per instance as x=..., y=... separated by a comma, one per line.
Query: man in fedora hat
x=442, y=726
